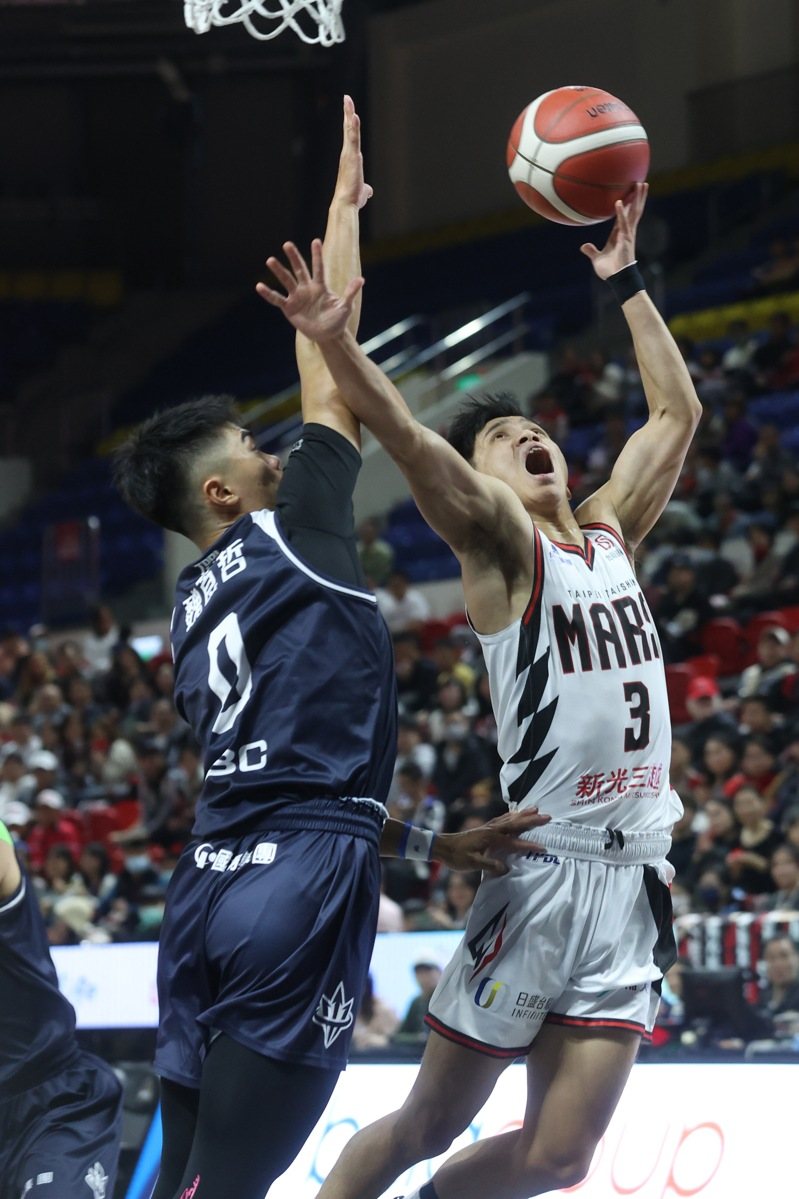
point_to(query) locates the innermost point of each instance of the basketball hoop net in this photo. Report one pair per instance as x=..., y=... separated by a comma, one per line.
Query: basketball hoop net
x=315, y=22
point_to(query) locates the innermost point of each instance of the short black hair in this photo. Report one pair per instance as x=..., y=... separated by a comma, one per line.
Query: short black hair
x=152, y=469
x=474, y=415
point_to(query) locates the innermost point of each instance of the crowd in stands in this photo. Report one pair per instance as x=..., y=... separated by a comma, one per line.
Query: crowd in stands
x=99, y=775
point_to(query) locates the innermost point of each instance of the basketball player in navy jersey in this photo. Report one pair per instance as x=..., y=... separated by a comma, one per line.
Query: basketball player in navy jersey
x=284, y=671
x=562, y=957
x=60, y=1108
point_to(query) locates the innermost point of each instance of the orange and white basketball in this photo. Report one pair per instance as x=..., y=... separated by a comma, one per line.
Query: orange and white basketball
x=573, y=152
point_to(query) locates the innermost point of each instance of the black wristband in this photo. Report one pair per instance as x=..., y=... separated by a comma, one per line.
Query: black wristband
x=627, y=282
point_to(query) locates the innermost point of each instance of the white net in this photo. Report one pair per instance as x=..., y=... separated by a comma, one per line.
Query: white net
x=316, y=22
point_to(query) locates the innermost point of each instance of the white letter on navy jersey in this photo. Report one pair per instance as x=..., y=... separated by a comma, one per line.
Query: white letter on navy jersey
x=232, y=692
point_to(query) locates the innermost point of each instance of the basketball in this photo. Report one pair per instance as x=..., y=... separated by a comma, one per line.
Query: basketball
x=573, y=152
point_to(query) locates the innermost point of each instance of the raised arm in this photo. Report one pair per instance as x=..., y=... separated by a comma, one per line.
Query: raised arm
x=321, y=399
x=477, y=515
x=646, y=472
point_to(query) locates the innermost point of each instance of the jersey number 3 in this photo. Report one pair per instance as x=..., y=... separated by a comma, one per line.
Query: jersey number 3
x=637, y=696
x=229, y=672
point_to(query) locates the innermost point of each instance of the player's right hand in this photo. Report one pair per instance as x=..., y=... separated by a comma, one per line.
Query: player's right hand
x=350, y=185
x=308, y=304
x=487, y=848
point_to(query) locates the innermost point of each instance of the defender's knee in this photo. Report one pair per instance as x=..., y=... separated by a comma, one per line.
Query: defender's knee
x=427, y=1134
x=556, y=1168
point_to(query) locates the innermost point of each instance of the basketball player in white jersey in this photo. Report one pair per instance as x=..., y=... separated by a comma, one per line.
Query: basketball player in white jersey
x=562, y=957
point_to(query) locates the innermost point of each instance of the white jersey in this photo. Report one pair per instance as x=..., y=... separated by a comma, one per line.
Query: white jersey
x=579, y=694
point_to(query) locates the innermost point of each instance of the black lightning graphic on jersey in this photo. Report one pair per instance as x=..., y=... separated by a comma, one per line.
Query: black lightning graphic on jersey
x=486, y=944
x=538, y=674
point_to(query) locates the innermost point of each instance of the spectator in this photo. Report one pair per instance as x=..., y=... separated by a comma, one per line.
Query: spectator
x=772, y=665
x=708, y=716
x=737, y=358
x=101, y=639
x=454, y=909
x=404, y=608
x=715, y=841
x=461, y=759
x=768, y=357
x=389, y=915
x=376, y=555
x=781, y=961
x=51, y=827
x=681, y=610
x=411, y=747
x=16, y=784
x=683, y=843
x=748, y=862
x=720, y=757
x=375, y=1023
x=447, y=656
x=95, y=870
x=412, y=1030
x=136, y=883
x=417, y=677
x=784, y=867
x=758, y=768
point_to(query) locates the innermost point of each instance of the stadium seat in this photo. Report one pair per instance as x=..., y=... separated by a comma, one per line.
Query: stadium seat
x=708, y=665
x=678, y=677
x=723, y=637
x=763, y=620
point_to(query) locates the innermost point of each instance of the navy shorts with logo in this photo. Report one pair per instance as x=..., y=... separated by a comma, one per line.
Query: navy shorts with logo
x=60, y=1139
x=268, y=938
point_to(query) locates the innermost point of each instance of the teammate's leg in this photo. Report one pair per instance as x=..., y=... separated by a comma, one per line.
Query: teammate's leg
x=452, y=1085
x=575, y=1080
x=253, y=1117
x=179, y=1106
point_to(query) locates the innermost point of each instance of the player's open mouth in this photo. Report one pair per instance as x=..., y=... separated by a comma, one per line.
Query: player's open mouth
x=538, y=461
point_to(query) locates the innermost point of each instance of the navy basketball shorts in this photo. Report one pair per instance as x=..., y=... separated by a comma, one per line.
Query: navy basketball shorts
x=60, y=1139
x=266, y=938
x=557, y=940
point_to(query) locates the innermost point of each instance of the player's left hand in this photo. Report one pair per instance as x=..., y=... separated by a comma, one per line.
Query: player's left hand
x=487, y=847
x=308, y=304
x=350, y=185
x=619, y=250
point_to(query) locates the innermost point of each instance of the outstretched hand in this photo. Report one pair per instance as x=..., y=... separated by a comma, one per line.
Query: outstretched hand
x=619, y=250
x=308, y=304
x=350, y=185
x=486, y=847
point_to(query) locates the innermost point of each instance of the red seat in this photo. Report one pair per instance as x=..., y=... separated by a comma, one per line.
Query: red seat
x=723, y=637
x=707, y=665
x=128, y=813
x=678, y=676
x=763, y=620
x=790, y=617
x=99, y=820
x=431, y=632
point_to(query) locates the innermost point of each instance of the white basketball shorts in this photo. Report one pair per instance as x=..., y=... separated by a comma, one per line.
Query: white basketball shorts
x=561, y=939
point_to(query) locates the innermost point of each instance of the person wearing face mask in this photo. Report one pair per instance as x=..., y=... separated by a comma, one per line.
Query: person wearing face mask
x=461, y=760
x=118, y=913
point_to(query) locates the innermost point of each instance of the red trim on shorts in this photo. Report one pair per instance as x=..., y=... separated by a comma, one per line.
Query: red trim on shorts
x=596, y=1022
x=538, y=577
x=450, y=1034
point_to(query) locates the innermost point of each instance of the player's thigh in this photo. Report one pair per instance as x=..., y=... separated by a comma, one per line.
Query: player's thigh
x=575, y=1078
x=452, y=1085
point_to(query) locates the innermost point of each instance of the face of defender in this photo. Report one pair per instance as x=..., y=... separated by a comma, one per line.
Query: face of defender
x=524, y=456
x=253, y=475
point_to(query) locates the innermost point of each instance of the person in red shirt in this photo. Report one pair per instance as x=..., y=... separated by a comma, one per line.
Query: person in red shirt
x=51, y=827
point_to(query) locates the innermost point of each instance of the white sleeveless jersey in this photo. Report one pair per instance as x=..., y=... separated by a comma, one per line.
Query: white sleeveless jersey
x=579, y=693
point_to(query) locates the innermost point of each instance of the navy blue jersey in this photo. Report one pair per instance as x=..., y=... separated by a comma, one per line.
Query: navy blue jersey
x=37, y=1022
x=285, y=676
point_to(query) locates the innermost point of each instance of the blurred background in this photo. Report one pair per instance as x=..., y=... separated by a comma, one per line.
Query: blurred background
x=146, y=174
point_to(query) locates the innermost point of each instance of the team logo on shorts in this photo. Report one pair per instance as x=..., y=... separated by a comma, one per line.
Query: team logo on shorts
x=334, y=1014
x=97, y=1181
x=487, y=992
x=486, y=944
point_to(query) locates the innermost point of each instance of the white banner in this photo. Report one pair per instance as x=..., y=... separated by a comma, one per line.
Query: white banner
x=719, y=1132
x=113, y=986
